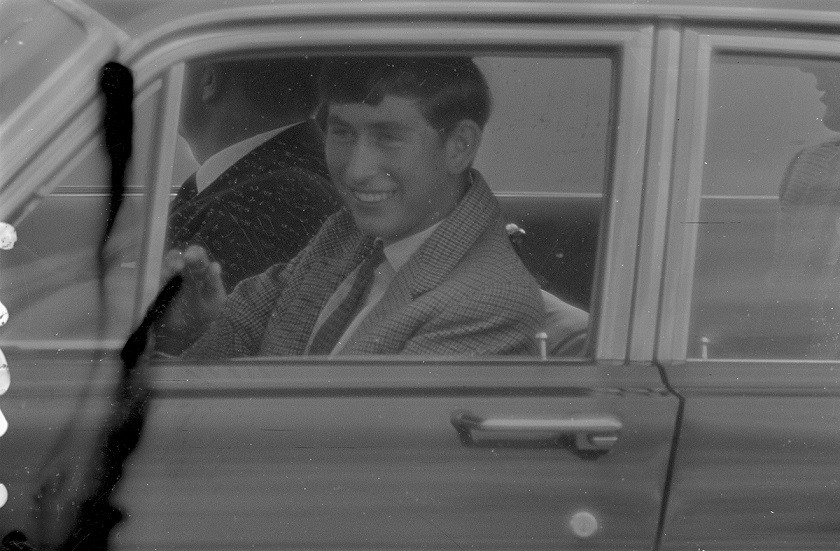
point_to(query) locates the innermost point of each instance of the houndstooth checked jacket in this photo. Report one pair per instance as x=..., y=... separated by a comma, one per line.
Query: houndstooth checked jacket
x=464, y=291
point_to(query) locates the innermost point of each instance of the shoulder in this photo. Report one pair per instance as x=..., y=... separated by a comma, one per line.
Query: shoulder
x=492, y=258
x=491, y=280
x=811, y=174
x=279, y=188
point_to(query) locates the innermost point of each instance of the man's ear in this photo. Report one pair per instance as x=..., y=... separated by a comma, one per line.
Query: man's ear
x=462, y=146
x=211, y=83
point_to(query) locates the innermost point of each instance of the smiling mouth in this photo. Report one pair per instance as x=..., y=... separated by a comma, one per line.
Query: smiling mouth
x=372, y=196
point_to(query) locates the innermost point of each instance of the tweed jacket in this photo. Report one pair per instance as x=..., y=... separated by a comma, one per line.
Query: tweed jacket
x=262, y=210
x=464, y=291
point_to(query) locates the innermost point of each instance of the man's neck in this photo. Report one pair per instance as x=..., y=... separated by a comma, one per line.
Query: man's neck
x=400, y=251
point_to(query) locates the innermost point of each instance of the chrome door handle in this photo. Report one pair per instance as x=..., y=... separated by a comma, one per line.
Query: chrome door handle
x=587, y=435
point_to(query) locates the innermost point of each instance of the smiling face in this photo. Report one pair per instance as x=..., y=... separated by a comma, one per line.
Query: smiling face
x=393, y=170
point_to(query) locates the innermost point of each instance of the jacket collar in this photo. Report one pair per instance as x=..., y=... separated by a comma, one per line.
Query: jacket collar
x=344, y=245
x=455, y=235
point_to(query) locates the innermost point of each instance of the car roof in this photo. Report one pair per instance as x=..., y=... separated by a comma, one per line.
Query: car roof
x=136, y=18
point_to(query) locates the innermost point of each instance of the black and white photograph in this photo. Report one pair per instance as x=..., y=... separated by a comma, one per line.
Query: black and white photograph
x=419, y=275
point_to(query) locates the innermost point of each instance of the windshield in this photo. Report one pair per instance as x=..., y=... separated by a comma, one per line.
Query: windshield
x=35, y=39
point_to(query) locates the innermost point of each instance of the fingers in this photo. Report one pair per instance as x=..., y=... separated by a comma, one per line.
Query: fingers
x=214, y=285
x=195, y=265
x=196, y=259
x=206, y=274
x=202, y=295
x=173, y=263
x=198, y=267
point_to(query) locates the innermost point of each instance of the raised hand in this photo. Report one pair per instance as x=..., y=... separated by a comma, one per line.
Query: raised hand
x=199, y=302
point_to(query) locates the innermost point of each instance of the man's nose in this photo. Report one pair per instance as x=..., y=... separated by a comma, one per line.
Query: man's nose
x=363, y=164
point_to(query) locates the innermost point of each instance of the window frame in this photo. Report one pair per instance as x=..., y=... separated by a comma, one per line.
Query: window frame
x=700, y=45
x=633, y=43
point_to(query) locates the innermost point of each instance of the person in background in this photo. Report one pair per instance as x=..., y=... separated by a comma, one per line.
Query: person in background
x=262, y=189
x=807, y=241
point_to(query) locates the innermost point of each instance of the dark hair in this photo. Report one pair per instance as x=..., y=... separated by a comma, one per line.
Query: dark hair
x=449, y=89
x=275, y=84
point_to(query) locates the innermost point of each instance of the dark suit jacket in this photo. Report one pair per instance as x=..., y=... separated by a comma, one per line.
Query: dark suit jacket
x=464, y=291
x=262, y=210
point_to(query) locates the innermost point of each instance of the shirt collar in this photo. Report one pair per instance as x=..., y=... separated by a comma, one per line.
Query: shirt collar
x=400, y=251
x=218, y=163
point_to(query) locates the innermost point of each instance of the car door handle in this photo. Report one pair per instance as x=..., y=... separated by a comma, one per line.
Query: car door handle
x=587, y=435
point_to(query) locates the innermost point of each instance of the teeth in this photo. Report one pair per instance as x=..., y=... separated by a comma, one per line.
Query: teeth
x=370, y=197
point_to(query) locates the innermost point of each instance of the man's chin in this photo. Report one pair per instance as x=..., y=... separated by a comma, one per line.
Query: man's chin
x=370, y=228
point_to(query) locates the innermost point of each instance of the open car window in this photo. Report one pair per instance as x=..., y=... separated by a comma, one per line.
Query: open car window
x=545, y=153
x=50, y=281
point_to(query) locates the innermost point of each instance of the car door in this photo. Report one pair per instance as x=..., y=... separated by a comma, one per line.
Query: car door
x=750, y=338
x=64, y=323
x=435, y=452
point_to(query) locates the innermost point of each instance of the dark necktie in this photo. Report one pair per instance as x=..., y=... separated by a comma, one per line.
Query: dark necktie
x=335, y=325
x=179, y=214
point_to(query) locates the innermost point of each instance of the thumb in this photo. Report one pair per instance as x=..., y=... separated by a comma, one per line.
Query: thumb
x=213, y=285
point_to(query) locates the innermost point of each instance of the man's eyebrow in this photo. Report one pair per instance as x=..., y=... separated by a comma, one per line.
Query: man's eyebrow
x=376, y=126
x=389, y=126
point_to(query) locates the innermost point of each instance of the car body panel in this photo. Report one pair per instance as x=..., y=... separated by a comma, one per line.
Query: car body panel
x=364, y=455
x=352, y=454
x=307, y=453
x=756, y=465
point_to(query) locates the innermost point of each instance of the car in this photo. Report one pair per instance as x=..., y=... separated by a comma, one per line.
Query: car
x=669, y=168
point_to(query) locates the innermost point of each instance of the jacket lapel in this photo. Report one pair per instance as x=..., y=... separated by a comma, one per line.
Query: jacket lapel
x=330, y=260
x=432, y=263
x=445, y=248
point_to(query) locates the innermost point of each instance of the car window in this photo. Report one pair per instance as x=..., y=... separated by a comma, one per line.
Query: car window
x=765, y=282
x=49, y=280
x=554, y=113
x=547, y=149
x=545, y=154
x=35, y=38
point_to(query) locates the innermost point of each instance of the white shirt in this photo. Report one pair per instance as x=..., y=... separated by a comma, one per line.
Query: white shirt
x=219, y=162
x=397, y=255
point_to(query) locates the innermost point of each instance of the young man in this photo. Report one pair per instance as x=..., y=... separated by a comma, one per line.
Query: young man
x=401, y=136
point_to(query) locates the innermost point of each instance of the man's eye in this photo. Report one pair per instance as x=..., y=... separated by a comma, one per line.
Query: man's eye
x=388, y=139
x=339, y=133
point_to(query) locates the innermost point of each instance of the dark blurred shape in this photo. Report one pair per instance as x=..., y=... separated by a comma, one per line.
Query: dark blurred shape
x=117, y=85
x=97, y=516
x=15, y=541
